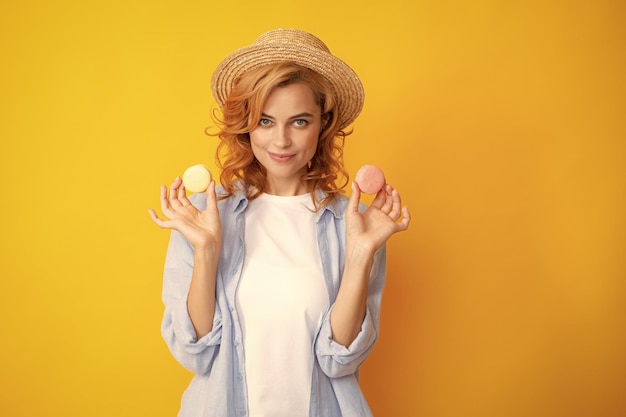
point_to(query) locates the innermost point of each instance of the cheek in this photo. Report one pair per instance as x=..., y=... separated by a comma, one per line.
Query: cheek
x=311, y=149
x=313, y=145
x=256, y=139
x=311, y=137
x=255, y=145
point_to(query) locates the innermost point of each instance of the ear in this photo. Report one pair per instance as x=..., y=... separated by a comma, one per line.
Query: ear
x=325, y=118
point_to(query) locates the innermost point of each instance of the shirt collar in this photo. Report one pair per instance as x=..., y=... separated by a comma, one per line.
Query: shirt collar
x=332, y=207
x=240, y=201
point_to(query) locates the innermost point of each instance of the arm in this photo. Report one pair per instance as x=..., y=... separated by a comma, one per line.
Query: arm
x=192, y=322
x=202, y=229
x=365, y=233
x=201, y=298
x=350, y=307
x=194, y=353
x=337, y=360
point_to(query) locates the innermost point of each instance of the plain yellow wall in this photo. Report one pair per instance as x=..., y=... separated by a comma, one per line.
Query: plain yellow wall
x=502, y=123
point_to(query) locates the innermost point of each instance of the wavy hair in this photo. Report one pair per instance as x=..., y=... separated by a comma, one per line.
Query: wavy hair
x=241, y=113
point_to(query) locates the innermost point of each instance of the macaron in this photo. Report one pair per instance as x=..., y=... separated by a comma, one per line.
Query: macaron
x=197, y=178
x=370, y=179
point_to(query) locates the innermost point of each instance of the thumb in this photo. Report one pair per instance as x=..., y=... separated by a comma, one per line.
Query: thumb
x=353, y=203
x=211, y=197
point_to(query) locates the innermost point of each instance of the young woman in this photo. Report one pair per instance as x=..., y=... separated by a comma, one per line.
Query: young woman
x=273, y=280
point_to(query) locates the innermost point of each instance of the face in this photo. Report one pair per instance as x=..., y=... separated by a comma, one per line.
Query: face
x=285, y=138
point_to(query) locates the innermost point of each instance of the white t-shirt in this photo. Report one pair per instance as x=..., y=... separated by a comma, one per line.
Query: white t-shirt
x=281, y=300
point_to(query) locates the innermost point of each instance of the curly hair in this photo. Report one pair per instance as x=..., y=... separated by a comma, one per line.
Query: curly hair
x=241, y=113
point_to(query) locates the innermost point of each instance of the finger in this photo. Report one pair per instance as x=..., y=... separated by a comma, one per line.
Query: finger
x=163, y=224
x=182, y=196
x=211, y=198
x=380, y=198
x=353, y=203
x=174, y=190
x=165, y=204
x=406, y=219
x=396, y=206
x=388, y=202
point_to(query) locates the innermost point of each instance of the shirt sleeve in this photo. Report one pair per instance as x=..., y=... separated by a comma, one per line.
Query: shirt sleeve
x=337, y=360
x=197, y=355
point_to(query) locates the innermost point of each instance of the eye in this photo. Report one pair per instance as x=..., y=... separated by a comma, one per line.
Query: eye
x=300, y=122
x=265, y=122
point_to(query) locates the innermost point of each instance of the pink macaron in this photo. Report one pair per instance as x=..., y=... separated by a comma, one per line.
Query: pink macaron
x=370, y=179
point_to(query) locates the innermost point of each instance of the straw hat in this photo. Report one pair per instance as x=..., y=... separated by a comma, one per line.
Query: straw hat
x=282, y=45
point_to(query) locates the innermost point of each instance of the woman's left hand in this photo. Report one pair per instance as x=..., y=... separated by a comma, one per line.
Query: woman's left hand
x=369, y=230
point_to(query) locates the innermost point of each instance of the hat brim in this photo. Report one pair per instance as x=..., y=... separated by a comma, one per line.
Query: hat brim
x=345, y=82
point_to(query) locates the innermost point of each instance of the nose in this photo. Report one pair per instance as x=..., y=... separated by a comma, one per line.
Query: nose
x=282, y=138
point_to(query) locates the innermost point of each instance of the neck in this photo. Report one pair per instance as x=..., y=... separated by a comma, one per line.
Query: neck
x=286, y=189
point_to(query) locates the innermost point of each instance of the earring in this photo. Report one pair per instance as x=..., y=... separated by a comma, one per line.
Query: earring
x=309, y=164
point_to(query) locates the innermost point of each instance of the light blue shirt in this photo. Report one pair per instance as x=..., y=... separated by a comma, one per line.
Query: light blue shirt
x=218, y=388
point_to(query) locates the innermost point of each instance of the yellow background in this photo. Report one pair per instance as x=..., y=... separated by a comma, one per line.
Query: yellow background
x=502, y=123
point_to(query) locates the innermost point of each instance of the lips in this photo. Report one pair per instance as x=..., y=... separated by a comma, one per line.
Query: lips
x=280, y=157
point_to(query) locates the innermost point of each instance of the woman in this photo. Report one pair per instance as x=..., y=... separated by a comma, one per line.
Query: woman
x=273, y=281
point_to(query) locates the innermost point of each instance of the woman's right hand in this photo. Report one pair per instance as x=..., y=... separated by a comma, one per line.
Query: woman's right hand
x=202, y=229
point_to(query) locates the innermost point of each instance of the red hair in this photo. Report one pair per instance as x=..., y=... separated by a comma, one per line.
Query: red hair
x=241, y=113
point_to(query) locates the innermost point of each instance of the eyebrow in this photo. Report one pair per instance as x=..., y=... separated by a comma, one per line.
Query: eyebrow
x=296, y=116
